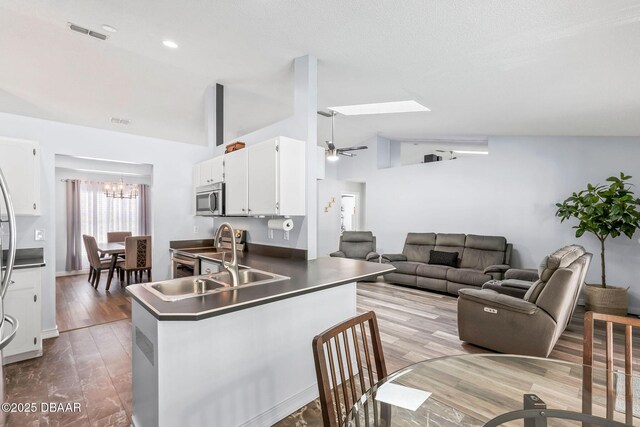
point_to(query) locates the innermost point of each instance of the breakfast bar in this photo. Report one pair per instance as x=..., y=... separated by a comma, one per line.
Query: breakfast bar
x=237, y=355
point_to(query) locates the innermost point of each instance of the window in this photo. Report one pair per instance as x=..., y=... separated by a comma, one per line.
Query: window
x=100, y=214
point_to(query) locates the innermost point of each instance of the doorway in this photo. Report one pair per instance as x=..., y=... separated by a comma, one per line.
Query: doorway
x=348, y=212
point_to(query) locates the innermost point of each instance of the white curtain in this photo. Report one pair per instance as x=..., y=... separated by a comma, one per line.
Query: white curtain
x=100, y=214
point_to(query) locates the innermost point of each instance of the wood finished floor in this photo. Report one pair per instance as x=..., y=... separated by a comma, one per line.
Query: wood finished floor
x=79, y=305
x=91, y=362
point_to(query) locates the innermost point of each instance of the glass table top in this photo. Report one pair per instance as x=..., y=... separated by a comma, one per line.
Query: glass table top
x=471, y=390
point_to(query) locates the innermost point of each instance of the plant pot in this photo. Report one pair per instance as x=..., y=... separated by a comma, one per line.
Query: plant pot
x=609, y=300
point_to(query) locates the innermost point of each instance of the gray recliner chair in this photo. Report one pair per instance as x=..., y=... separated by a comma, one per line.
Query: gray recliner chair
x=533, y=324
x=357, y=245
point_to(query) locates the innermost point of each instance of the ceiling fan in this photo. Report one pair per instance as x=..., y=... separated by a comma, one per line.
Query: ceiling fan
x=333, y=152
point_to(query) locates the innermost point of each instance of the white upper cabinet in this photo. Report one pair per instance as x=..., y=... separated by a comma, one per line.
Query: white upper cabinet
x=263, y=178
x=209, y=172
x=277, y=179
x=20, y=164
x=268, y=178
x=236, y=183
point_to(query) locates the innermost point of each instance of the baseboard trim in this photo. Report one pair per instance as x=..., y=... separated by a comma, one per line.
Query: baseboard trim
x=50, y=333
x=21, y=356
x=284, y=408
x=71, y=273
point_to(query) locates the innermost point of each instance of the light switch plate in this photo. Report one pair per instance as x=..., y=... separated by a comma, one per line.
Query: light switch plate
x=39, y=235
x=196, y=229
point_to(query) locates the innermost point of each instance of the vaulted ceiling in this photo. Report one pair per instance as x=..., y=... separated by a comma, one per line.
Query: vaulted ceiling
x=547, y=67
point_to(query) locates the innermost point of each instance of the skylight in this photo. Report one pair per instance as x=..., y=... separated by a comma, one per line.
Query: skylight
x=380, y=108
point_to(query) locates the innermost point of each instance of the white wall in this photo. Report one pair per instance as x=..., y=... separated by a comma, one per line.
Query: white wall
x=329, y=222
x=302, y=125
x=511, y=192
x=171, y=203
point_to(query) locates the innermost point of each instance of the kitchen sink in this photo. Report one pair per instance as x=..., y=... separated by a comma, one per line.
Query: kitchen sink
x=197, y=286
x=246, y=277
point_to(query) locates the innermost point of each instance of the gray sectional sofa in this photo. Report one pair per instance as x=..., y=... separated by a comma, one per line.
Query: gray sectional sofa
x=480, y=259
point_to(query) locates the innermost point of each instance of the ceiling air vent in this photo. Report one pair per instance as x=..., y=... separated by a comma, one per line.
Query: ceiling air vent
x=86, y=31
x=118, y=121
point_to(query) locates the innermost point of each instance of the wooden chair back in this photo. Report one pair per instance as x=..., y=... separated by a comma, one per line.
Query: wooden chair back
x=91, y=247
x=349, y=361
x=117, y=236
x=137, y=252
x=628, y=323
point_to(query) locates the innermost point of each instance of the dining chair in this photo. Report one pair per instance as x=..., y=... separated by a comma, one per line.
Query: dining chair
x=137, y=258
x=117, y=236
x=610, y=320
x=96, y=264
x=350, y=359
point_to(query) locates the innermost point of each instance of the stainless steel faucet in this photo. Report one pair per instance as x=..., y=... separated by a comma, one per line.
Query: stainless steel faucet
x=231, y=266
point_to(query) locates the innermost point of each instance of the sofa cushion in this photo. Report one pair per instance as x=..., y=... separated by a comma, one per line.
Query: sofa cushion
x=406, y=267
x=534, y=291
x=479, y=259
x=490, y=243
x=450, y=239
x=443, y=258
x=432, y=271
x=467, y=276
x=482, y=251
x=559, y=259
x=357, y=236
x=418, y=246
x=428, y=239
x=358, y=250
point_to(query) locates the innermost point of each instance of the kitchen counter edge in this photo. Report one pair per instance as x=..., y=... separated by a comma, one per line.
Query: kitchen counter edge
x=153, y=304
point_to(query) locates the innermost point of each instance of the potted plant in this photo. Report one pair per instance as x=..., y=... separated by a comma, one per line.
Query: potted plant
x=604, y=211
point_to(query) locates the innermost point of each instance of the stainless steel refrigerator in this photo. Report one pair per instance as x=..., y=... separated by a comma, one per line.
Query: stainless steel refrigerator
x=8, y=324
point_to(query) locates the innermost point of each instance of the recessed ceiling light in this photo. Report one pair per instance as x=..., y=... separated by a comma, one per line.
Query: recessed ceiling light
x=380, y=108
x=470, y=152
x=109, y=28
x=170, y=44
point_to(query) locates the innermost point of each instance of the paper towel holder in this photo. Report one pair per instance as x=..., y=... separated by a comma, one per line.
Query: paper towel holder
x=284, y=223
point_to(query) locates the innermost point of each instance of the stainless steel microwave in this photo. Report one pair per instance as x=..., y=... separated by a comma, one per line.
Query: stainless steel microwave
x=210, y=200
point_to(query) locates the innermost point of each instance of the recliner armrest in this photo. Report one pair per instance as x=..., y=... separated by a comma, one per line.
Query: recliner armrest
x=393, y=257
x=511, y=287
x=371, y=256
x=498, y=301
x=338, y=254
x=530, y=275
x=498, y=268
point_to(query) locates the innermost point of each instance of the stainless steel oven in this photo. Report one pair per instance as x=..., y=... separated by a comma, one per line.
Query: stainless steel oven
x=210, y=200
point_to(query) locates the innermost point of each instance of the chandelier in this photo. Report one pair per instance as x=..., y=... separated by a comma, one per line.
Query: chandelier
x=120, y=190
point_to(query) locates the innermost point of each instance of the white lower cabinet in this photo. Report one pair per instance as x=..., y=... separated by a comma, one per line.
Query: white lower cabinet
x=22, y=301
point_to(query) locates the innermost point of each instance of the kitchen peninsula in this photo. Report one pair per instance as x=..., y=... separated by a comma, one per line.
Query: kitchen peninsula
x=239, y=356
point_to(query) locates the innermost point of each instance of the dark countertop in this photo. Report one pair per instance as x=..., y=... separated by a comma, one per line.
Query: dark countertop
x=26, y=258
x=305, y=277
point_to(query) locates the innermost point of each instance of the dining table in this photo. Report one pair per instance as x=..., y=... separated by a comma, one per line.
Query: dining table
x=115, y=250
x=497, y=389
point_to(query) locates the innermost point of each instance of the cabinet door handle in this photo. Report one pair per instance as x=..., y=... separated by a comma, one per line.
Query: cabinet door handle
x=35, y=298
